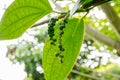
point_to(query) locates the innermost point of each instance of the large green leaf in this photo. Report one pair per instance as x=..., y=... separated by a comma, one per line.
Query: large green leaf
x=20, y=15
x=71, y=40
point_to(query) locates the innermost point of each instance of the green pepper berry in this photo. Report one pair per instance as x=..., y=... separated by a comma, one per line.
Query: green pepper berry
x=51, y=34
x=62, y=49
x=61, y=28
x=54, y=40
x=57, y=54
x=61, y=56
x=65, y=21
x=60, y=46
x=51, y=30
x=61, y=32
x=52, y=43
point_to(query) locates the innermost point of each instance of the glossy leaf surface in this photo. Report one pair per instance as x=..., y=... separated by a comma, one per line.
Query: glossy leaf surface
x=71, y=40
x=21, y=15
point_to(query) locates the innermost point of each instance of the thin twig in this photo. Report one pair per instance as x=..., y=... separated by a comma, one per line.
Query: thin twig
x=86, y=75
x=114, y=75
x=46, y=21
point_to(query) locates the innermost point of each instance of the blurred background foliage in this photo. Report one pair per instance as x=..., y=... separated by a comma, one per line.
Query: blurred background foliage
x=96, y=61
x=87, y=67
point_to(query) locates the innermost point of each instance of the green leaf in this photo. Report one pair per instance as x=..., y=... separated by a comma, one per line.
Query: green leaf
x=71, y=40
x=21, y=15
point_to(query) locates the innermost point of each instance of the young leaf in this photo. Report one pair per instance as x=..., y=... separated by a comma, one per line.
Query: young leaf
x=76, y=6
x=79, y=4
x=71, y=41
x=20, y=15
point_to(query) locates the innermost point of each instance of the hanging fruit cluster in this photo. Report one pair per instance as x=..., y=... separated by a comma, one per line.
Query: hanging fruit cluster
x=60, y=45
x=51, y=33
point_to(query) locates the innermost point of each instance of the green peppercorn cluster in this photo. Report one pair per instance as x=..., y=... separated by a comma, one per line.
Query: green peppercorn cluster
x=61, y=32
x=51, y=33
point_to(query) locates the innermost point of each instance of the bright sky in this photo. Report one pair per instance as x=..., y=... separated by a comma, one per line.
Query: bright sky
x=8, y=71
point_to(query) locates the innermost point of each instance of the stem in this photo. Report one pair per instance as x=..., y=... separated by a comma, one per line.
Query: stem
x=113, y=17
x=85, y=15
x=86, y=75
x=60, y=12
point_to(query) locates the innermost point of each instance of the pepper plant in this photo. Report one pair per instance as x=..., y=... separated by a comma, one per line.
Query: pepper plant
x=65, y=33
